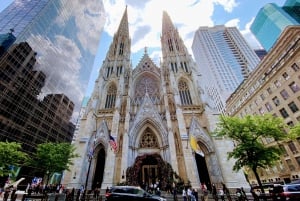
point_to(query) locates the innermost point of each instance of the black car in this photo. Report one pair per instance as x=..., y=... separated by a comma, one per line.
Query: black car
x=130, y=193
x=288, y=192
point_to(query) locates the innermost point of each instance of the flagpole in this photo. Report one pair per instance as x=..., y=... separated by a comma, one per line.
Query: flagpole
x=90, y=155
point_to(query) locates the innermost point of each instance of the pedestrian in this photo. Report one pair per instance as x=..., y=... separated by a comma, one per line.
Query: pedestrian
x=254, y=195
x=184, y=194
x=175, y=194
x=204, y=191
x=226, y=192
x=244, y=195
x=222, y=195
x=195, y=194
x=238, y=194
x=214, y=192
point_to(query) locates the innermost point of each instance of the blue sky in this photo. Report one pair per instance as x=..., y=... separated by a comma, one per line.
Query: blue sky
x=145, y=18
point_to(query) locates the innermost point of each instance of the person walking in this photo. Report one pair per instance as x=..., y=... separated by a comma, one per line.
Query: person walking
x=222, y=195
x=214, y=192
x=175, y=194
x=184, y=194
x=226, y=192
x=204, y=191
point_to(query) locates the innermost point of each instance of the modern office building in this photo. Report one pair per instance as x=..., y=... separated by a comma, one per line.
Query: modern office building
x=140, y=125
x=274, y=88
x=224, y=59
x=45, y=73
x=271, y=20
x=6, y=40
x=261, y=53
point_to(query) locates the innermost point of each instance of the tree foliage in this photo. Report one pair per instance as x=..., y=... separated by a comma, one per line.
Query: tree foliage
x=247, y=133
x=11, y=155
x=54, y=157
x=295, y=131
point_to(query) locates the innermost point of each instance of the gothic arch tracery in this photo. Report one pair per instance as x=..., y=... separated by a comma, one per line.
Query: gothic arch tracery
x=149, y=84
x=148, y=139
x=184, y=93
x=111, y=96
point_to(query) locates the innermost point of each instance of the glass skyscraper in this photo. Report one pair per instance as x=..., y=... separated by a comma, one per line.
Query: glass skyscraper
x=45, y=72
x=224, y=59
x=271, y=20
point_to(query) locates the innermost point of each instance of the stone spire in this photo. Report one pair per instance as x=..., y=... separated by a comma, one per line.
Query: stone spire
x=120, y=47
x=171, y=42
x=123, y=27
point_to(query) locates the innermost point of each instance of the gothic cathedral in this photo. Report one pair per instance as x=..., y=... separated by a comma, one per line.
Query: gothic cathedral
x=138, y=124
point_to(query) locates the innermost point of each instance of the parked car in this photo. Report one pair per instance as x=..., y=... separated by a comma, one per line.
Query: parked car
x=131, y=193
x=288, y=192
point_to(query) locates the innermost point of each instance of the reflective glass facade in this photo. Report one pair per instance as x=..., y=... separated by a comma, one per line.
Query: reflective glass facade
x=271, y=20
x=225, y=59
x=45, y=73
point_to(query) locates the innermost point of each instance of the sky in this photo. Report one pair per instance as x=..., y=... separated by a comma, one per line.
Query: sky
x=145, y=23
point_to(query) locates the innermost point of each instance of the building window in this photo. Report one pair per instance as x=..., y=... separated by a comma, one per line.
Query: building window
x=294, y=87
x=285, y=76
x=269, y=106
x=292, y=147
x=290, y=123
x=261, y=110
x=111, y=96
x=184, y=93
x=276, y=101
x=262, y=96
x=282, y=148
x=269, y=90
x=290, y=164
x=293, y=107
x=277, y=84
x=284, y=94
x=283, y=113
x=295, y=67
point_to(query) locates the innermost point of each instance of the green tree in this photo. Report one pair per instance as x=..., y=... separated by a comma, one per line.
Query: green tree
x=247, y=133
x=295, y=131
x=11, y=154
x=54, y=157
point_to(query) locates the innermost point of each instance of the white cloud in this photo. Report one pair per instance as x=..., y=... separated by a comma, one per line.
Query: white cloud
x=87, y=19
x=250, y=38
x=59, y=60
x=145, y=19
x=233, y=23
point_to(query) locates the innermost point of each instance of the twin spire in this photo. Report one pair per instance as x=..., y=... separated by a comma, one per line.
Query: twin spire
x=170, y=40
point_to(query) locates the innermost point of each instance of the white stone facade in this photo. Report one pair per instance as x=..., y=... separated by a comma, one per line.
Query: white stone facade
x=151, y=112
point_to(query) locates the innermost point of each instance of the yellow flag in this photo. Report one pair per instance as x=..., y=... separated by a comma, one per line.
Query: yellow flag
x=195, y=146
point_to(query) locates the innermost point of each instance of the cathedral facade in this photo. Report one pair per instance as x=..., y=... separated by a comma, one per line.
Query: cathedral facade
x=151, y=113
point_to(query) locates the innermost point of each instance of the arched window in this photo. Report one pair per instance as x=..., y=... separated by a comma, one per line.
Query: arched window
x=148, y=139
x=184, y=93
x=111, y=96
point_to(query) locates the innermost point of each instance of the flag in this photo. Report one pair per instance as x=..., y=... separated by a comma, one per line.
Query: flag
x=113, y=143
x=195, y=146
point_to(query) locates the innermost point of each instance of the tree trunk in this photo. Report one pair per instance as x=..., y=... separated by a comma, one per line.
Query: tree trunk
x=258, y=180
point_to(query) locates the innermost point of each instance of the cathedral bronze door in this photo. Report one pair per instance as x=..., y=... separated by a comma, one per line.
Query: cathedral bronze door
x=149, y=174
x=149, y=169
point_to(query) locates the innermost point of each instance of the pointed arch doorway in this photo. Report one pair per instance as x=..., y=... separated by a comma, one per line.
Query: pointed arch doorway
x=99, y=170
x=149, y=169
x=200, y=158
